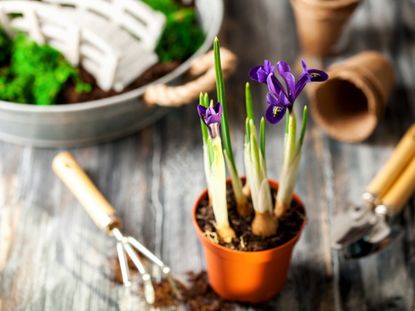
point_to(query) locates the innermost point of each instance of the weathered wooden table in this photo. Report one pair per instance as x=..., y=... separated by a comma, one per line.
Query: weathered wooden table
x=52, y=257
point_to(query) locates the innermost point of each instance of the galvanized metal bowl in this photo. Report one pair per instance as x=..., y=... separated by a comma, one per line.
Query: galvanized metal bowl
x=99, y=120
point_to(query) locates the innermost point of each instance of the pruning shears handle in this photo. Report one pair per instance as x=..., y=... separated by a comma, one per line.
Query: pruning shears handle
x=395, y=182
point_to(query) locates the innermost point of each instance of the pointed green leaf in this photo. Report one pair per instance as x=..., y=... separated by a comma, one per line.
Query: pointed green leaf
x=262, y=136
x=206, y=100
x=303, y=127
x=247, y=132
x=255, y=153
x=220, y=89
x=248, y=101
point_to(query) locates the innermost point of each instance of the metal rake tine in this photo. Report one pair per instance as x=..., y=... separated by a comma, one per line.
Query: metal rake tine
x=165, y=269
x=146, y=252
x=123, y=265
x=145, y=276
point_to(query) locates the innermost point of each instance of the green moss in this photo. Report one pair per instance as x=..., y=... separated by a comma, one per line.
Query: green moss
x=36, y=74
x=5, y=48
x=182, y=35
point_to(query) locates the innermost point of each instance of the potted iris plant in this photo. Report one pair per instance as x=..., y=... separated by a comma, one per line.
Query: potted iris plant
x=248, y=226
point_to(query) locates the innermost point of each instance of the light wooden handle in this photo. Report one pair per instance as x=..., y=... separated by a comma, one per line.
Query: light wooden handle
x=175, y=96
x=402, y=155
x=401, y=191
x=99, y=209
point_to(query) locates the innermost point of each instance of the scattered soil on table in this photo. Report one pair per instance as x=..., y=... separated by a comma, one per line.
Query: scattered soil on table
x=201, y=297
x=165, y=295
x=69, y=94
x=197, y=296
x=288, y=225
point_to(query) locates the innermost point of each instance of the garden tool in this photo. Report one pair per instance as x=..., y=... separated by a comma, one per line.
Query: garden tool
x=365, y=229
x=104, y=216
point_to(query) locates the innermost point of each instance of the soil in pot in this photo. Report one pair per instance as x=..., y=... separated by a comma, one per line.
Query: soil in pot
x=69, y=95
x=288, y=226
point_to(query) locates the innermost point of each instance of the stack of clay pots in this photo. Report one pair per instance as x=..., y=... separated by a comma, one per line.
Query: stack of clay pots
x=320, y=23
x=349, y=105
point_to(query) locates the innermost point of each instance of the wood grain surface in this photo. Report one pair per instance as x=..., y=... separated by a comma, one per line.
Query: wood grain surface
x=53, y=258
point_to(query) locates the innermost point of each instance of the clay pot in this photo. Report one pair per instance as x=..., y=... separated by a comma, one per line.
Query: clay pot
x=320, y=23
x=348, y=105
x=246, y=276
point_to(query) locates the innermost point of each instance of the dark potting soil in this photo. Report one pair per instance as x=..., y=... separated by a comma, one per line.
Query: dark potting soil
x=288, y=225
x=197, y=296
x=69, y=94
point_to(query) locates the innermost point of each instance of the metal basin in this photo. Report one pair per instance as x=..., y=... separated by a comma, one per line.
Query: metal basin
x=100, y=120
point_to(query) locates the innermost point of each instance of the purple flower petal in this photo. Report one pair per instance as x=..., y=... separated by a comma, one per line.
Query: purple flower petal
x=290, y=83
x=317, y=75
x=253, y=73
x=260, y=73
x=274, y=113
x=211, y=116
x=274, y=85
x=268, y=67
x=272, y=100
x=301, y=83
x=283, y=67
x=201, y=111
x=278, y=100
x=218, y=108
x=284, y=71
x=304, y=65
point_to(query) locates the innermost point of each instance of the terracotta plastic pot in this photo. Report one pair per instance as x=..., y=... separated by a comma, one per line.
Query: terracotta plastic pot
x=246, y=276
x=320, y=23
x=348, y=106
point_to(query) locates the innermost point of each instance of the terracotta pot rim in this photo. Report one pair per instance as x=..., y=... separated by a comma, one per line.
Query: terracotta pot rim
x=333, y=4
x=273, y=184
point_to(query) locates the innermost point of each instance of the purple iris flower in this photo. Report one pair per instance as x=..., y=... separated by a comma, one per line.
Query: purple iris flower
x=282, y=95
x=261, y=73
x=211, y=116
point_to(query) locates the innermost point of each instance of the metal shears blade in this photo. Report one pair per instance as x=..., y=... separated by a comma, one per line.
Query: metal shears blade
x=362, y=230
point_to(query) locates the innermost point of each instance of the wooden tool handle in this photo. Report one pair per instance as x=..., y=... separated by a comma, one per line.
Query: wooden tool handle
x=402, y=155
x=99, y=209
x=401, y=191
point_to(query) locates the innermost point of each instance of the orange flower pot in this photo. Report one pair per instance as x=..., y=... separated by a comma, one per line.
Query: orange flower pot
x=246, y=276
